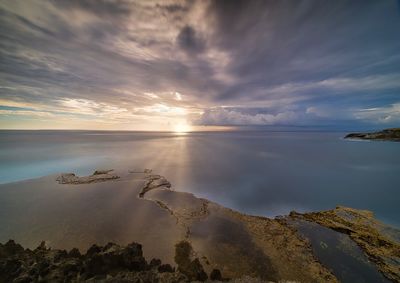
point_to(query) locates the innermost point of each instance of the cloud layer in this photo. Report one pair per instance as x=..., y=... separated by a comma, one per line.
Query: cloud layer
x=151, y=64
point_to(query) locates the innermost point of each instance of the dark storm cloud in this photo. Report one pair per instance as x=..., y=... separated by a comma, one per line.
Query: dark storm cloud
x=79, y=67
x=190, y=41
x=309, y=52
x=274, y=42
x=238, y=62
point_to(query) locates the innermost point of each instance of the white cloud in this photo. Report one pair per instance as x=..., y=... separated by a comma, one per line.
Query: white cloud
x=90, y=107
x=162, y=109
x=382, y=115
x=27, y=113
x=151, y=95
x=178, y=96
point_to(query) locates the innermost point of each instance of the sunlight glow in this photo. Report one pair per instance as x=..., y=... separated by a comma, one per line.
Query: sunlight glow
x=182, y=127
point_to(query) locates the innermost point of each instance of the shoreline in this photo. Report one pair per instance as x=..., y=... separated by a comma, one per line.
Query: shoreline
x=273, y=248
x=387, y=221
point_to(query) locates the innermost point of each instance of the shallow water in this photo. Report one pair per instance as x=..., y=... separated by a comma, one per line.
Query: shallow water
x=264, y=173
x=340, y=254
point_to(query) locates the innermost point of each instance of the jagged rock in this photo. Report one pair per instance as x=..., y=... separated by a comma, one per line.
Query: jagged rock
x=42, y=246
x=74, y=253
x=111, y=263
x=60, y=255
x=94, y=249
x=132, y=257
x=10, y=248
x=191, y=268
x=165, y=268
x=103, y=260
x=155, y=262
x=216, y=275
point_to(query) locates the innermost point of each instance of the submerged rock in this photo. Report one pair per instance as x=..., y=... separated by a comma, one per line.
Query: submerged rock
x=387, y=134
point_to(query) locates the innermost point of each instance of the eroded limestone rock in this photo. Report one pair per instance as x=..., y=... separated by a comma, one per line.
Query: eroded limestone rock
x=97, y=176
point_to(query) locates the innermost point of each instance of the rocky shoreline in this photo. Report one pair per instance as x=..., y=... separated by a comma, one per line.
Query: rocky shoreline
x=384, y=135
x=198, y=240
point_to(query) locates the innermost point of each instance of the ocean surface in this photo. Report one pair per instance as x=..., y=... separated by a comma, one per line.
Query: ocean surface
x=257, y=172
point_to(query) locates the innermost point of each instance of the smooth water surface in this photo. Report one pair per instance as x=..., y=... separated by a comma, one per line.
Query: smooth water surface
x=340, y=254
x=264, y=173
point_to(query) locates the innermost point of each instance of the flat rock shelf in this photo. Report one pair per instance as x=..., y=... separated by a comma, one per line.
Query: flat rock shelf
x=194, y=238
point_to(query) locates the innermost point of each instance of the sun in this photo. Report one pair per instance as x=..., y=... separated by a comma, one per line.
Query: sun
x=182, y=127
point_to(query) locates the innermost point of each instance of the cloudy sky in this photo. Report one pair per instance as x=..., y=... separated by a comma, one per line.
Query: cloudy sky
x=176, y=65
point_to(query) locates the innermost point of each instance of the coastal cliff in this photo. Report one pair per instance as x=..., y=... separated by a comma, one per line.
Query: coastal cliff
x=384, y=135
x=195, y=238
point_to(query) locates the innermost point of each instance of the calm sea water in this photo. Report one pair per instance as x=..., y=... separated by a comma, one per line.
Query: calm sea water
x=263, y=173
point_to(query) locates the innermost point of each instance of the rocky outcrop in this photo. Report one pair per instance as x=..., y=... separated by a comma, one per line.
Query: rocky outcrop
x=191, y=268
x=97, y=176
x=153, y=182
x=374, y=238
x=384, y=135
x=110, y=263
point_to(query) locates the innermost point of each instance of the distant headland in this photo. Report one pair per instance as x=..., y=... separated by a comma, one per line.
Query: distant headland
x=392, y=134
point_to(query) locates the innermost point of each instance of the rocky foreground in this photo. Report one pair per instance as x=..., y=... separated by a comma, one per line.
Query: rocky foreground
x=109, y=263
x=384, y=135
x=196, y=239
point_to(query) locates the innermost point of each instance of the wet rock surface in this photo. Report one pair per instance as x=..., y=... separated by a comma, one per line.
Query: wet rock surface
x=387, y=134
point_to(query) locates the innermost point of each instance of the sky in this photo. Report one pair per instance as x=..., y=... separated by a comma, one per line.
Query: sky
x=187, y=65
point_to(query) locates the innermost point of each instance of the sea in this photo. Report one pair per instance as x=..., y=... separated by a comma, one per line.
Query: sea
x=261, y=172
